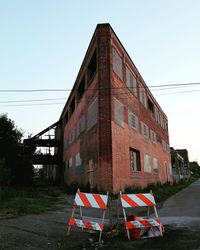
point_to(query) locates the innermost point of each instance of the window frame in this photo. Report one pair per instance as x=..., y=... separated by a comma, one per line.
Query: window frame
x=130, y=115
x=135, y=161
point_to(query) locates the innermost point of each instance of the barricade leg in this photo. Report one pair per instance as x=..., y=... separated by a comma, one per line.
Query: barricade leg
x=69, y=227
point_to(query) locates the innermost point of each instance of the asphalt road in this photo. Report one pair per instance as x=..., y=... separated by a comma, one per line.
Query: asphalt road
x=180, y=214
x=183, y=208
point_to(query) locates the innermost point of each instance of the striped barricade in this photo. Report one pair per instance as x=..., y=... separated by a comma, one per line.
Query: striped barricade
x=141, y=200
x=89, y=200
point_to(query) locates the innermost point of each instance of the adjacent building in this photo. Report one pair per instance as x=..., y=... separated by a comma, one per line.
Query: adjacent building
x=180, y=164
x=114, y=132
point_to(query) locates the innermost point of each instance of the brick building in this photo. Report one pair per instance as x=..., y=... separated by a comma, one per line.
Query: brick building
x=114, y=132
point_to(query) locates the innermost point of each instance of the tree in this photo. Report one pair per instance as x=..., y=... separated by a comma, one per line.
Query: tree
x=195, y=169
x=14, y=165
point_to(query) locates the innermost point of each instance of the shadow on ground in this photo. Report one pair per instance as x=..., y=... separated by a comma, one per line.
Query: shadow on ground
x=174, y=238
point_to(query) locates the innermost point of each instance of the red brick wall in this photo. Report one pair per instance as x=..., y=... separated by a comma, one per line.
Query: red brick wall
x=107, y=144
x=125, y=137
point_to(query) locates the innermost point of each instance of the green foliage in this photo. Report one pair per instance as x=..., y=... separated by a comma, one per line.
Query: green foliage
x=5, y=174
x=15, y=167
x=161, y=192
x=20, y=201
x=195, y=169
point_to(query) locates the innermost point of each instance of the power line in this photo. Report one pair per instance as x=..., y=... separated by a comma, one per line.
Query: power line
x=34, y=100
x=33, y=90
x=23, y=105
x=180, y=92
x=114, y=94
x=57, y=90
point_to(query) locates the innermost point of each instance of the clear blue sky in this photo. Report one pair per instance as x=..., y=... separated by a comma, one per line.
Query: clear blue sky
x=43, y=42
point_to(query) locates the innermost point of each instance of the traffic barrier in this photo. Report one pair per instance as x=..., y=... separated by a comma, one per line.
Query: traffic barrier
x=135, y=226
x=89, y=200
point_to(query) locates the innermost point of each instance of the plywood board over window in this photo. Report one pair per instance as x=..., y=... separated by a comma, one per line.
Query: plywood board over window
x=131, y=81
x=78, y=164
x=117, y=63
x=92, y=114
x=155, y=165
x=132, y=120
x=145, y=130
x=147, y=163
x=118, y=112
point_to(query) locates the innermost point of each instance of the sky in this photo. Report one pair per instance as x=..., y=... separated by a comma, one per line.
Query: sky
x=43, y=43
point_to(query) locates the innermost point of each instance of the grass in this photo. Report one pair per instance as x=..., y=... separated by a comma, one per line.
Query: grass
x=162, y=192
x=21, y=201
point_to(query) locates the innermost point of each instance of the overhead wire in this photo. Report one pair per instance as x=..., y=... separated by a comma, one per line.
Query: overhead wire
x=55, y=90
x=28, y=102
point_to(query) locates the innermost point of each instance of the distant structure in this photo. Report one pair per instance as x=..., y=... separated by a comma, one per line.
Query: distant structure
x=114, y=132
x=180, y=164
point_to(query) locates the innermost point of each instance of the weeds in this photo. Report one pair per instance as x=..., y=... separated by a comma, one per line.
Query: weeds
x=161, y=192
x=20, y=201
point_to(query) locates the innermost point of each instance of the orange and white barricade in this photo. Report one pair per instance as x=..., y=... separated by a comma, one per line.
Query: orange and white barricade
x=138, y=224
x=89, y=200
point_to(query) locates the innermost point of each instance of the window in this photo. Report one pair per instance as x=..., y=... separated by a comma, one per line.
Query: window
x=145, y=130
x=131, y=82
x=167, y=148
x=153, y=136
x=66, y=117
x=135, y=160
x=69, y=166
x=65, y=143
x=147, y=163
x=143, y=96
x=72, y=136
x=92, y=66
x=81, y=89
x=118, y=112
x=72, y=106
x=166, y=169
x=164, y=145
x=92, y=113
x=79, y=164
x=133, y=120
x=150, y=105
x=117, y=63
x=80, y=126
x=155, y=165
x=157, y=115
x=161, y=121
x=165, y=125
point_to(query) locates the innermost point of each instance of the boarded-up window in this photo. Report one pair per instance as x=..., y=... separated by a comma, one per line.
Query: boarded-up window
x=78, y=164
x=167, y=171
x=69, y=166
x=161, y=121
x=65, y=143
x=80, y=126
x=135, y=160
x=164, y=145
x=131, y=82
x=117, y=63
x=153, y=136
x=155, y=165
x=92, y=114
x=143, y=96
x=118, y=112
x=147, y=163
x=145, y=130
x=132, y=120
x=157, y=115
